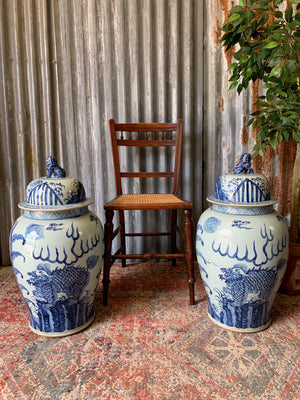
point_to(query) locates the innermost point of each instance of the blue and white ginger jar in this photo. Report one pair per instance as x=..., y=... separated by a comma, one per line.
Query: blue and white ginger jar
x=56, y=249
x=242, y=250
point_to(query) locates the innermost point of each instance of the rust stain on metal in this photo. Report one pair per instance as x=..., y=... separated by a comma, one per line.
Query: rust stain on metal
x=267, y=161
x=286, y=154
x=254, y=98
x=226, y=148
x=29, y=158
x=226, y=5
x=217, y=31
x=257, y=161
x=244, y=133
x=221, y=104
x=267, y=169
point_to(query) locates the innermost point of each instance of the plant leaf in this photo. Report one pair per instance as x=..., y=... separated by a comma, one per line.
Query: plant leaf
x=232, y=66
x=276, y=70
x=233, y=17
x=271, y=45
x=289, y=14
x=236, y=10
x=233, y=85
x=296, y=137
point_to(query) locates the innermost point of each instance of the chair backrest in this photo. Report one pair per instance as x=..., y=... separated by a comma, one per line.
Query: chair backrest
x=146, y=135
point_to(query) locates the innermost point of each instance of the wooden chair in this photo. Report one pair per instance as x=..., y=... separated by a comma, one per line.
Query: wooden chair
x=149, y=135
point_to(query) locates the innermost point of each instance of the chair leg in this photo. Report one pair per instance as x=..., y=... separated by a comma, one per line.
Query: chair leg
x=173, y=235
x=122, y=236
x=108, y=235
x=188, y=235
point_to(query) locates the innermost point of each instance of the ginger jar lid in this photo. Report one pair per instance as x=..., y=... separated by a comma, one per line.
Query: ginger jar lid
x=56, y=191
x=243, y=186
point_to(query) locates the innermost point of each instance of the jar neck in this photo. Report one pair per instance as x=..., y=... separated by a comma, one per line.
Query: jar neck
x=50, y=215
x=247, y=210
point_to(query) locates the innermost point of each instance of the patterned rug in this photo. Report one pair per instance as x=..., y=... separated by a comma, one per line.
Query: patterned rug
x=148, y=344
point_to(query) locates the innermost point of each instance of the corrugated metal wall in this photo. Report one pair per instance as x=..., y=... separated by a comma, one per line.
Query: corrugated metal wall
x=68, y=66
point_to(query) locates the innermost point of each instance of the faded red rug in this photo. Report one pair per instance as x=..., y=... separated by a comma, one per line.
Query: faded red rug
x=148, y=344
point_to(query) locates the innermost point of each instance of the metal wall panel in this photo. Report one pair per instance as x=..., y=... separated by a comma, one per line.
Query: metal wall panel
x=68, y=66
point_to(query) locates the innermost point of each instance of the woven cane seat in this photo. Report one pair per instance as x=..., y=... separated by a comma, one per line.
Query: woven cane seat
x=147, y=201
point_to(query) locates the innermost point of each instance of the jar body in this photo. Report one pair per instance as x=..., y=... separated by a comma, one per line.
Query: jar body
x=242, y=254
x=57, y=259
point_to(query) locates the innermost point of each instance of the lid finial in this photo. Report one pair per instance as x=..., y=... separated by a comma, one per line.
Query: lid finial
x=54, y=168
x=244, y=165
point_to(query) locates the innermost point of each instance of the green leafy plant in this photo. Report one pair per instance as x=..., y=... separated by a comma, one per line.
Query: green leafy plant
x=265, y=41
